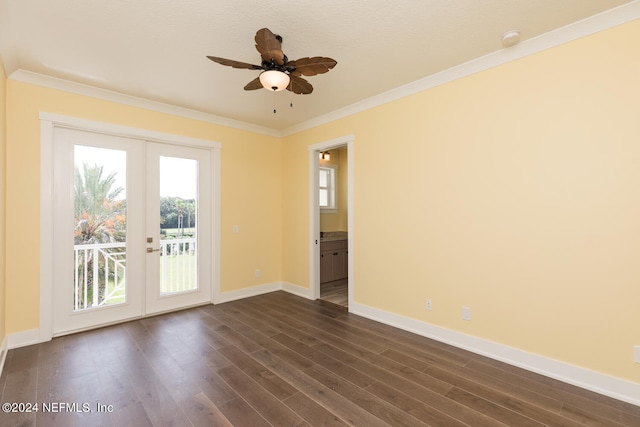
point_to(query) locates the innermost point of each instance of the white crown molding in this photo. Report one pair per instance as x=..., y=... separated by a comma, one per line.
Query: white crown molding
x=108, y=95
x=607, y=385
x=126, y=131
x=609, y=19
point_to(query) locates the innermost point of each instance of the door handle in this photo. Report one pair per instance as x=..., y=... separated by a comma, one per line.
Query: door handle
x=150, y=250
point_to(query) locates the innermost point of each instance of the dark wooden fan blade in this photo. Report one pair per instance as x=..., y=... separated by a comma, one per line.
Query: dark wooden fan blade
x=311, y=66
x=299, y=85
x=254, y=84
x=269, y=46
x=234, y=64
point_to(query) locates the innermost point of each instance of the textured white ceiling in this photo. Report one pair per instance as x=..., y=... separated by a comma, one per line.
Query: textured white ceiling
x=156, y=49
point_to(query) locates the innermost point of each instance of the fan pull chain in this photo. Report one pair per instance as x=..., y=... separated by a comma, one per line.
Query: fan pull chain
x=274, y=102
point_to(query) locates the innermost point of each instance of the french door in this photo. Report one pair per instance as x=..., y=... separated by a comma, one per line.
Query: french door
x=132, y=228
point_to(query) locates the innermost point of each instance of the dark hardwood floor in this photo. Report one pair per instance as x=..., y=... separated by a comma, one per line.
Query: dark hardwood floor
x=336, y=292
x=281, y=360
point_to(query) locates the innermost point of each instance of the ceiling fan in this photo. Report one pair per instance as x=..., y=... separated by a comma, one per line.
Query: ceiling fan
x=278, y=72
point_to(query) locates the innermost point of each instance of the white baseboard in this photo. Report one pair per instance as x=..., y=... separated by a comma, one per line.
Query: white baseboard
x=298, y=290
x=249, y=292
x=3, y=353
x=617, y=388
x=32, y=336
x=23, y=339
x=607, y=385
x=265, y=289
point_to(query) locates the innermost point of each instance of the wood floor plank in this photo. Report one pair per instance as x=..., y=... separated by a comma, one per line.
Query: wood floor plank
x=20, y=387
x=266, y=378
x=346, y=410
x=520, y=389
x=278, y=359
x=240, y=413
x=576, y=398
x=311, y=411
x=588, y=418
x=326, y=361
x=23, y=358
x=203, y=413
x=269, y=407
x=404, y=338
x=499, y=397
x=335, y=292
x=159, y=404
x=436, y=400
x=367, y=401
x=423, y=412
x=247, y=330
x=132, y=415
x=329, y=326
x=495, y=411
x=200, y=377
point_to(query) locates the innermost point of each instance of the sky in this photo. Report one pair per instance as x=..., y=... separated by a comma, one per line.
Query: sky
x=178, y=177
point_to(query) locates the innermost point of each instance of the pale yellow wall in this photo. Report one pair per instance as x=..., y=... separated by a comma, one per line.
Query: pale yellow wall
x=250, y=191
x=514, y=191
x=337, y=221
x=3, y=126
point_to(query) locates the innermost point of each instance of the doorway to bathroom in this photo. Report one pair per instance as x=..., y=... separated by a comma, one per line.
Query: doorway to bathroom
x=332, y=221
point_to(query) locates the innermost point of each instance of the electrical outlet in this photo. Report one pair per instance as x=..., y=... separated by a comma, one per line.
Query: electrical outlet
x=429, y=304
x=636, y=353
x=466, y=313
x=258, y=272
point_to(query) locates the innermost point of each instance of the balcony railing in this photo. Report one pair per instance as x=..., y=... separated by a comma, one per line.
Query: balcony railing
x=178, y=265
x=100, y=271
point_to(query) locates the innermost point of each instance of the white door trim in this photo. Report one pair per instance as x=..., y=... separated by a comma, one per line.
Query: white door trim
x=48, y=122
x=155, y=301
x=66, y=317
x=314, y=212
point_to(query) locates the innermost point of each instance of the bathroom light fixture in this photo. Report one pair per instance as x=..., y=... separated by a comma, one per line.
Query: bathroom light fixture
x=324, y=155
x=274, y=80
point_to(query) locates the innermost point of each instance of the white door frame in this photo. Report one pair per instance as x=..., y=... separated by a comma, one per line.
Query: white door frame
x=314, y=213
x=48, y=122
x=155, y=302
x=66, y=318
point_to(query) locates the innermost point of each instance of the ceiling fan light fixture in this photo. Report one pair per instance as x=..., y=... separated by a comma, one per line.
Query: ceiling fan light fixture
x=274, y=80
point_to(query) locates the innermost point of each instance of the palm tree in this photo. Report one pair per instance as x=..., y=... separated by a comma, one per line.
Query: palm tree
x=180, y=206
x=99, y=217
x=190, y=207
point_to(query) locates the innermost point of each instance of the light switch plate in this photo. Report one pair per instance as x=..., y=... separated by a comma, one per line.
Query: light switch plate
x=636, y=353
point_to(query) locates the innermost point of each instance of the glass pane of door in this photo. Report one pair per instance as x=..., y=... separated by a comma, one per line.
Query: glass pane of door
x=178, y=225
x=100, y=233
